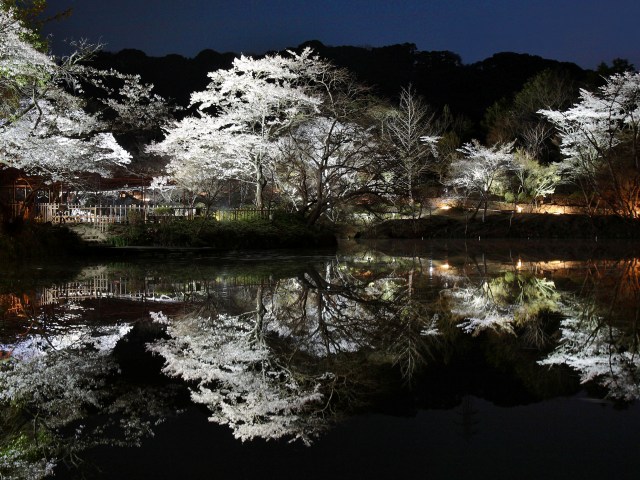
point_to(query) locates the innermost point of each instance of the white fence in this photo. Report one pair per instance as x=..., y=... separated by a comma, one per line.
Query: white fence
x=103, y=215
x=75, y=213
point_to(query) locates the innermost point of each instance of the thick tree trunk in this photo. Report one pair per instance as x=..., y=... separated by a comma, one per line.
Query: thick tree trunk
x=475, y=212
x=315, y=214
x=318, y=208
x=260, y=184
x=260, y=312
x=259, y=194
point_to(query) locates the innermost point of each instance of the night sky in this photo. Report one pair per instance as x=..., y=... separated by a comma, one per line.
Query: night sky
x=586, y=32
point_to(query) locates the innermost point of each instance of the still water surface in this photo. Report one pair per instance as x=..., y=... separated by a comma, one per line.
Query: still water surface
x=381, y=360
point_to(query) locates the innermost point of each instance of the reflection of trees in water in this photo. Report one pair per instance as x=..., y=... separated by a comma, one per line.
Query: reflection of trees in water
x=51, y=383
x=468, y=418
x=324, y=311
x=515, y=303
x=601, y=353
x=303, y=349
x=601, y=334
x=291, y=353
x=412, y=326
x=347, y=308
x=39, y=397
x=237, y=376
x=614, y=289
x=284, y=355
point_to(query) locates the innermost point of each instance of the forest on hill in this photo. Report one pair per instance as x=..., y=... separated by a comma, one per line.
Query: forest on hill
x=440, y=77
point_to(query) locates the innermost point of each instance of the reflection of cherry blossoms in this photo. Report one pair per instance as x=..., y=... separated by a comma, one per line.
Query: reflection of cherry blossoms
x=48, y=383
x=600, y=353
x=238, y=377
x=479, y=310
x=59, y=387
x=51, y=383
x=321, y=318
x=345, y=311
x=504, y=304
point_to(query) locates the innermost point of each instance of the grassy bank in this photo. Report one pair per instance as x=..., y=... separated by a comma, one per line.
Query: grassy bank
x=283, y=231
x=504, y=225
x=38, y=241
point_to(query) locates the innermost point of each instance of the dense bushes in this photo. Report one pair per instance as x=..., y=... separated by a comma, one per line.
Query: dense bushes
x=283, y=231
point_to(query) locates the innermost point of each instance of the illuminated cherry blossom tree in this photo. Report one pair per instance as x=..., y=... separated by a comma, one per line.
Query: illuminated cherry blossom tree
x=294, y=119
x=57, y=140
x=324, y=163
x=239, y=117
x=46, y=131
x=601, y=142
x=478, y=171
x=330, y=157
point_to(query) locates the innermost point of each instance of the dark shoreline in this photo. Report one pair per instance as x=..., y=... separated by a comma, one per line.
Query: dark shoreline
x=41, y=241
x=506, y=250
x=37, y=241
x=508, y=226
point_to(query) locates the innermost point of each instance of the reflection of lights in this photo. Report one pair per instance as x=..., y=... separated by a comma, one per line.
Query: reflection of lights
x=519, y=209
x=519, y=264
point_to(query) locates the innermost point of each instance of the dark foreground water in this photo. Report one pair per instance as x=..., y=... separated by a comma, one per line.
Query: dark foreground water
x=383, y=360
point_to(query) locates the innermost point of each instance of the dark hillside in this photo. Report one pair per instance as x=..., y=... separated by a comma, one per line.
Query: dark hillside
x=173, y=76
x=440, y=76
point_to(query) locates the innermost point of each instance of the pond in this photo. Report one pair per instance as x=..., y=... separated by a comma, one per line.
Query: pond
x=383, y=359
